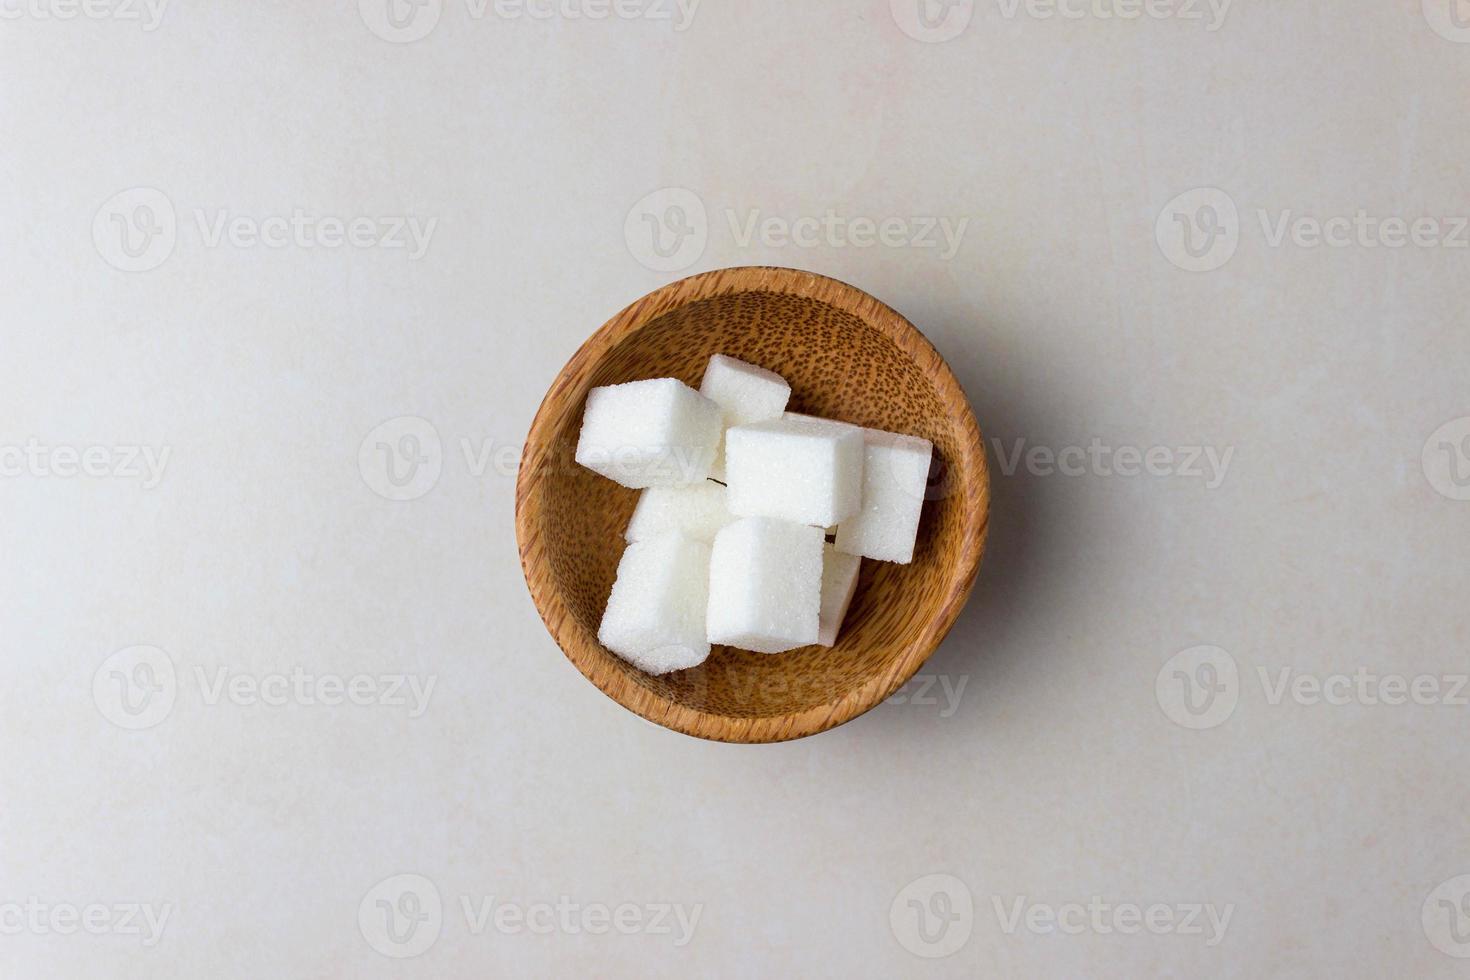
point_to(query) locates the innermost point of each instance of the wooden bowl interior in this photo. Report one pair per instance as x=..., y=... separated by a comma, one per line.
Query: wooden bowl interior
x=839, y=367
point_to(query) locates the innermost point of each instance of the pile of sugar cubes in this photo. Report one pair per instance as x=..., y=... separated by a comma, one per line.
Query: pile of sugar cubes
x=728, y=543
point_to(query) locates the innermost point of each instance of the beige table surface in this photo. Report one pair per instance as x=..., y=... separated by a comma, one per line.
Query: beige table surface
x=284, y=284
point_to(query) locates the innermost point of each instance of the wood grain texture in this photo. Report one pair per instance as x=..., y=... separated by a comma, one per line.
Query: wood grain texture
x=847, y=357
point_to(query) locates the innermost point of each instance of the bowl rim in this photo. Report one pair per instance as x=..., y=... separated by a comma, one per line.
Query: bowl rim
x=592, y=660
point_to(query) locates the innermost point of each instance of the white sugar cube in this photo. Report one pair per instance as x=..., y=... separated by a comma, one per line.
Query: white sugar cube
x=895, y=479
x=765, y=585
x=834, y=423
x=839, y=582
x=655, y=617
x=796, y=468
x=745, y=394
x=658, y=433
x=698, y=511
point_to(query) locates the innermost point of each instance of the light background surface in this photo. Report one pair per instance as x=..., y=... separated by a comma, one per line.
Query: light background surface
x=1043, y=760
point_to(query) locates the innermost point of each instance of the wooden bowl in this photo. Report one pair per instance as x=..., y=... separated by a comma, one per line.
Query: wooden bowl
x=847, y=357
